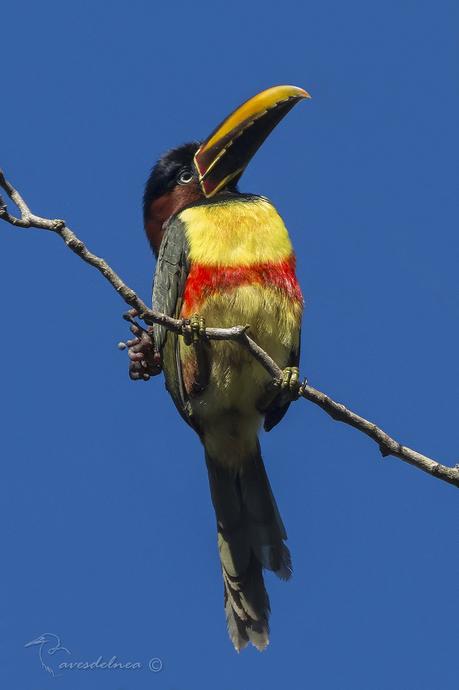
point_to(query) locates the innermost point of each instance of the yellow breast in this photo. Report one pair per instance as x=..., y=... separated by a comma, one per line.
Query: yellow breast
x=236, y=233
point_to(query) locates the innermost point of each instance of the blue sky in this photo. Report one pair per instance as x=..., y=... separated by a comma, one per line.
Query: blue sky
x=108, y=535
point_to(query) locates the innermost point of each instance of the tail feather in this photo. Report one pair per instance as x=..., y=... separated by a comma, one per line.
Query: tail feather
x=250, y=538
x=247, y=608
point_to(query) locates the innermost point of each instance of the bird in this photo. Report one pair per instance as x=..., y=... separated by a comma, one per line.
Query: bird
x=48, y=644
x=224, y=257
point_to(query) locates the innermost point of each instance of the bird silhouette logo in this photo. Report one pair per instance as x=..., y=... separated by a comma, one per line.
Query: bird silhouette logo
x=48, y=645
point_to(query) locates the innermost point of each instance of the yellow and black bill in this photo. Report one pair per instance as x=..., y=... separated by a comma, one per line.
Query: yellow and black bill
x=223, y=156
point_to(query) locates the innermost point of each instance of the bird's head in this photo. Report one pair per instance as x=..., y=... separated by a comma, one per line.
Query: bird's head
x=42, y=639
x=197, y=171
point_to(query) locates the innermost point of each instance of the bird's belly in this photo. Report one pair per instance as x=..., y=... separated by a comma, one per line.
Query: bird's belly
x=272, y=317
x=237, y=381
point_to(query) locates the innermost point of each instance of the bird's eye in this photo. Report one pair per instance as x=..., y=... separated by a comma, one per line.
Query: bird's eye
x=185, y=177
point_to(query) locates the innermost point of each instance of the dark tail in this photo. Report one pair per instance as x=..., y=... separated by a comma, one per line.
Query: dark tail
x=250, y=538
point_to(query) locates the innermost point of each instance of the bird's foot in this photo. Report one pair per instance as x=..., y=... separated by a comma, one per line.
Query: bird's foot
x=145, y=361
x=290, y=383
x=194, y=329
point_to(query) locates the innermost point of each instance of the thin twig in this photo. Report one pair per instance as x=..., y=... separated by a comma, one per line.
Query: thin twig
x=387, y=445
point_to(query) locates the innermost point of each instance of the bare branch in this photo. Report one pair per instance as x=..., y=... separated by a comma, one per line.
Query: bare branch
x=387, y=445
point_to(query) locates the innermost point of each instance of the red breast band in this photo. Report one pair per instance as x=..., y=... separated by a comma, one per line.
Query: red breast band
x=204, y=281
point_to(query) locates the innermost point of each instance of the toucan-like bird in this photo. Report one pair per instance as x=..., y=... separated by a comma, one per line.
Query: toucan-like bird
x=225, y=258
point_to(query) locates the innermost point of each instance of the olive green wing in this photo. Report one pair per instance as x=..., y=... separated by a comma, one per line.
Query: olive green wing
x=275, y=412
x=168, y=287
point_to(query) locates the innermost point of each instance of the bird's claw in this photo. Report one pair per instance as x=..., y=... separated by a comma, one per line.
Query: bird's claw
x=194, y=329
x=290, y=384
x=145, y=360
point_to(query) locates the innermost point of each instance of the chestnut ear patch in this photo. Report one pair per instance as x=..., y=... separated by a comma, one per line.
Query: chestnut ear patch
x=165, y=206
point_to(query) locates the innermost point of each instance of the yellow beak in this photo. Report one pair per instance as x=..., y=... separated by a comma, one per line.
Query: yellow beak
x=223, y=156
